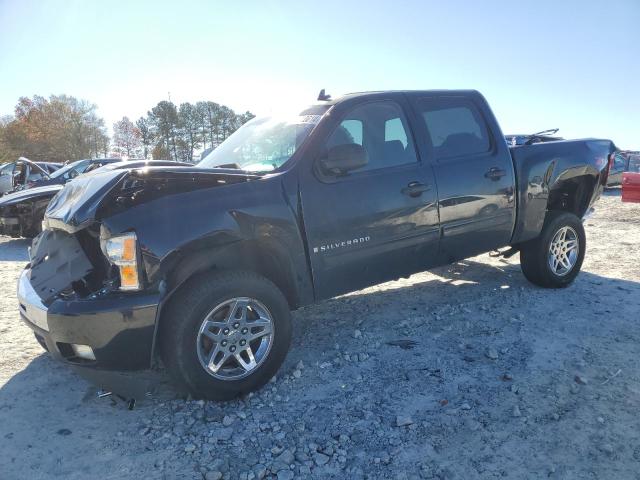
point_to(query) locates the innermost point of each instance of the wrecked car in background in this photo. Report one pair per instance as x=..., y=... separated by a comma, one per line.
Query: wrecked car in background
x=22, y=212
x=631, y=180
x=198, y=268
x=24, y=174
x=624, y=161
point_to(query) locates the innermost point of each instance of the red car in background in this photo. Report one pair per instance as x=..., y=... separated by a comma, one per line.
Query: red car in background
x=631, y=181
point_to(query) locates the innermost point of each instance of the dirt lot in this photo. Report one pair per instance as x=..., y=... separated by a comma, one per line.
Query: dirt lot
x=504, y=380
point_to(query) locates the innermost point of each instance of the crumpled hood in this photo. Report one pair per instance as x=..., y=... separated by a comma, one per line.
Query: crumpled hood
x=78, y=204
x=29, y=194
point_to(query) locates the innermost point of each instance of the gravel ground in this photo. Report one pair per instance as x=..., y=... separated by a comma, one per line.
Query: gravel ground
x=461, y=373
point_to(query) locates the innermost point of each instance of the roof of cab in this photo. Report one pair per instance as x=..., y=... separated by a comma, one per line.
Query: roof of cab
x=375, y=93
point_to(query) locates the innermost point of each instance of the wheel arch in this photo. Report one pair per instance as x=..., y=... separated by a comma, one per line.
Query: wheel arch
x=266, y=258
x=573, y=193
x=551, y=189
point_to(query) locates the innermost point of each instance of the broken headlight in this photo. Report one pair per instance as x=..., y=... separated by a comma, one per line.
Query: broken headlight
x=122, y=251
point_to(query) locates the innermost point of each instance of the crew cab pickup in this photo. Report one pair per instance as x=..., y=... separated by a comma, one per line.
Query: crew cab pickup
x=198, y=268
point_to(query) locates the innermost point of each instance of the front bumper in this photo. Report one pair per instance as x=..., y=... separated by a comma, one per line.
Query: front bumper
x=118, y=327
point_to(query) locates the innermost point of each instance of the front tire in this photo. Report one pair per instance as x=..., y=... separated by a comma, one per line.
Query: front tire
x=225, y=334
x=554, y=258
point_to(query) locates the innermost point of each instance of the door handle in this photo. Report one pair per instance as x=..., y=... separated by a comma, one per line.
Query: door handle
x=415, y=189
x=495, y=173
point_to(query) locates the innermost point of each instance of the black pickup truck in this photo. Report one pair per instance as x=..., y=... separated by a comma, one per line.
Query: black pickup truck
x=197, y=269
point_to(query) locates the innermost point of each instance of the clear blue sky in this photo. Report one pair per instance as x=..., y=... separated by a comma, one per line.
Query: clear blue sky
x=568, y=64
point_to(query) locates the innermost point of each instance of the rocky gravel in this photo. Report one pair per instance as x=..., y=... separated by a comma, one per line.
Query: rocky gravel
x=466, y=372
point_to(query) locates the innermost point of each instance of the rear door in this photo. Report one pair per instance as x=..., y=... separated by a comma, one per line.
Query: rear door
x=380, y=221
x=474, y=173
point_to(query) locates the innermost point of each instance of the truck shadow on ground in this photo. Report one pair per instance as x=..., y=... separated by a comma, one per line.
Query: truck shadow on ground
x=467, y=282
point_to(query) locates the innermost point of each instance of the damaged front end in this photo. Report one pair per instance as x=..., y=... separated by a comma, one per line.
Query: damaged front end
x=68, y=259
x=85, y=292
x=69, y=295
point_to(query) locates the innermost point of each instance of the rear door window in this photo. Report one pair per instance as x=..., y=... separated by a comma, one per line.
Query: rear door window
x=455, y=127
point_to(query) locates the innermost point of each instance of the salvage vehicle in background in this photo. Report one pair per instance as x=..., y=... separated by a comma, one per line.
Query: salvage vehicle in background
x=22, y=212
x=23, y=172
x=69, y=172
x=631, y=180
x=622, y=162
x=50, y=167
x=198, y=268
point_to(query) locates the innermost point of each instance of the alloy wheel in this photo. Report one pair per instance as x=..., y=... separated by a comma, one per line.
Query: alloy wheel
x=235, y=338
x=563, y=251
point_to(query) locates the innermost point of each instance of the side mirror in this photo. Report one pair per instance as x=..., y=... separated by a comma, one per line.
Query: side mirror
x=73, y=174
x=345, y=158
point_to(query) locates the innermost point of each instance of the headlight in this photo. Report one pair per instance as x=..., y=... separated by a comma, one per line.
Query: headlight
x=122, y=251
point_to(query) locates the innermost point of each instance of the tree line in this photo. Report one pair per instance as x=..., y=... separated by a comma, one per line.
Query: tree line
x=56, y=129
x=63, y=128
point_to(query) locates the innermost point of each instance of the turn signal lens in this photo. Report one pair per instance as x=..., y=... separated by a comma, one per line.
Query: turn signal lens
x=129, y=277
x=121, y=250
x=129, y=249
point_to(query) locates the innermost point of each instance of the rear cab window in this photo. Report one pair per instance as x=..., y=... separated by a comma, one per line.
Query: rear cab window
x=455, y=126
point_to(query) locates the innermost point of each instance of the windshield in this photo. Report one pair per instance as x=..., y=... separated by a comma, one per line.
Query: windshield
x=264, y=143
x=67, y=168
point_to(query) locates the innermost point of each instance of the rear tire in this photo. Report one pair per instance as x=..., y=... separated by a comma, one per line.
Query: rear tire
x=207, y=332
x=551, y=260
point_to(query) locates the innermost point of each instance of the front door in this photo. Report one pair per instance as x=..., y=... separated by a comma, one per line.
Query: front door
x=377, y=222
x=474, y=173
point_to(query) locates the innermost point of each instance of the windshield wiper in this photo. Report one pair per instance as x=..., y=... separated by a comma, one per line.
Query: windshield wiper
x=533, y=136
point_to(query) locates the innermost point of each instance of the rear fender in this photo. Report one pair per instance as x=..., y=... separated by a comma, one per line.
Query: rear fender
x=566, y=175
